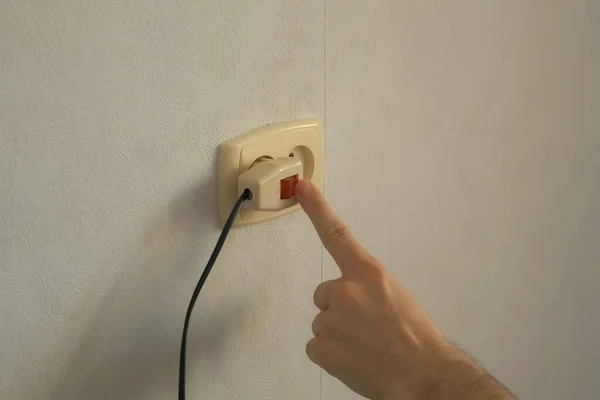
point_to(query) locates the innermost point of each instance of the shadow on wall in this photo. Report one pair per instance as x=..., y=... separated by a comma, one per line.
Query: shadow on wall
x=130, y=349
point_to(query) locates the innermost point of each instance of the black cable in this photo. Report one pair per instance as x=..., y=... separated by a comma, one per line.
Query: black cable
x=211, y=261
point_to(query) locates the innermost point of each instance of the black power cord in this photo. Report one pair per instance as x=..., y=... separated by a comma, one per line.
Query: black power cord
x=211, y=261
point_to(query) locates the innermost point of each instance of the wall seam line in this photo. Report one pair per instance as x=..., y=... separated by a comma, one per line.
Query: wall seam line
x=324, y=149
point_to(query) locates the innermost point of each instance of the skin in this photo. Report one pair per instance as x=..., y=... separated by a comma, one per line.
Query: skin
x=373, y=335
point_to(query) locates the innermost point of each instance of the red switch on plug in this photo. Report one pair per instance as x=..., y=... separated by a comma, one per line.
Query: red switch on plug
x=288, y=187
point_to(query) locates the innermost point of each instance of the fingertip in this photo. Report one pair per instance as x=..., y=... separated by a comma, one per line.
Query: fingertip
x=306, y=193
x=304, y=189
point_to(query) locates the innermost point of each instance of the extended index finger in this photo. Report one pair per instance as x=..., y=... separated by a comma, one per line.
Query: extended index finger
x=335, y=235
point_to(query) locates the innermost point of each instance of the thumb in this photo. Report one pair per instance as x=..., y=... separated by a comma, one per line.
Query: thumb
x=335, y=235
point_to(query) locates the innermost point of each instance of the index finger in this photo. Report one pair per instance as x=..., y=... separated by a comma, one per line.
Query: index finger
x=335, y=235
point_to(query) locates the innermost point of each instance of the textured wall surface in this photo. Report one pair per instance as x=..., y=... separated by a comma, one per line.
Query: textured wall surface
x=462, y=146
x=481, y=120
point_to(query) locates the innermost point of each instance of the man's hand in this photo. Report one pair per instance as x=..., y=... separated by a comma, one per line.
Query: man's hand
x=372, y=334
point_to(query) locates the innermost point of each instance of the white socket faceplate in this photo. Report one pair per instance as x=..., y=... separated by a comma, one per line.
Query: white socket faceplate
x=302, y=139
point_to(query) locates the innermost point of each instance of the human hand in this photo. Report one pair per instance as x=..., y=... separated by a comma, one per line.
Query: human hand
x=371, y=333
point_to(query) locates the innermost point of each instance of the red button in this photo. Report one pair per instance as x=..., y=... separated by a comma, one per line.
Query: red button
x=288, y=187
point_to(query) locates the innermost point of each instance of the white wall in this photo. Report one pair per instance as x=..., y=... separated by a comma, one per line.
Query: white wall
x=462, y=146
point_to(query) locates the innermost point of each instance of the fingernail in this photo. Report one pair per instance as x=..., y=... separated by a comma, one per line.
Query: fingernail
x=303, y=188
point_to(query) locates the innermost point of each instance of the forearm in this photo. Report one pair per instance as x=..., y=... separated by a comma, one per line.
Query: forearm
x=459, y=377
x=452, y=375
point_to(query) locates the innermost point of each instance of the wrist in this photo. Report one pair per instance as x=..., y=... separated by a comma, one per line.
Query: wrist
x=455, y=375
x=440, y=372
x=427, y=368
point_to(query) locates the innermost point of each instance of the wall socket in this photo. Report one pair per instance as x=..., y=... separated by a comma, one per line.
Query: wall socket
x=301, y=139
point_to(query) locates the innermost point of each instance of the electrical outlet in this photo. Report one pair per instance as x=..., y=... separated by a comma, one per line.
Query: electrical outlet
x=301, y=140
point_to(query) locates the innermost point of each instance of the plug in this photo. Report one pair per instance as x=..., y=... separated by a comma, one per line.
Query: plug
x=272, y=183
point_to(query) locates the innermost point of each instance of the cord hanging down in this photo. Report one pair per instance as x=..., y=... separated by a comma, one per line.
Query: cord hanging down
x=211, y=261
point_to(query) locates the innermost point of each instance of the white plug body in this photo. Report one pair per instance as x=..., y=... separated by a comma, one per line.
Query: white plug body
x=272, y=184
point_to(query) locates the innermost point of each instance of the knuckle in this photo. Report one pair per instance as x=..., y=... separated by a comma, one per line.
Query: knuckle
x=319, y=291
x=377, y=273
x=328, y=324
x=372, y=268
x=338, y=231
x=321, y=295
x=312, y=350
x=315, y=325
x=342, y=291
x=324, y=323
x=319, y=352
